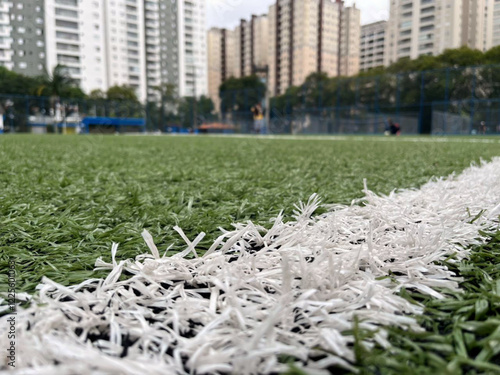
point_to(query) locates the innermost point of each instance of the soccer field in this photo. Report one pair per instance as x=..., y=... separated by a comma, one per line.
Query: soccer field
x=65, y=200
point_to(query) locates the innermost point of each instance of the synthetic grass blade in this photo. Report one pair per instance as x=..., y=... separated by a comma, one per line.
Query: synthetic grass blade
x=316, y=290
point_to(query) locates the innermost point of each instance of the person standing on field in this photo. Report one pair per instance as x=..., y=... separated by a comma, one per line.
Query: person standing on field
x=258, y=119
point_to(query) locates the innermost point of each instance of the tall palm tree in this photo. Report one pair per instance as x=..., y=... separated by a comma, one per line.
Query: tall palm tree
x=55, y=83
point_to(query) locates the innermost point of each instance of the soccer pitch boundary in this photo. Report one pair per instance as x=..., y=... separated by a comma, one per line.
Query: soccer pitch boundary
x=376, y=138
x=259, y=294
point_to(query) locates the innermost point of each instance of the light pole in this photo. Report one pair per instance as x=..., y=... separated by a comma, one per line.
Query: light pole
x=195, y=104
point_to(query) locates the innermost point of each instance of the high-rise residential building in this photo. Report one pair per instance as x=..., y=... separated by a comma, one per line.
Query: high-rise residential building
x=6, y=41
x=372, y=45
x=309, y=36
x=176, y=46
x=252, y=44
x=216, y=62
x=22, y=39
x=102, y=43
x=350, y=35
x=495, y=28
x=192, y=50
x=428, y=27
x=237, y=53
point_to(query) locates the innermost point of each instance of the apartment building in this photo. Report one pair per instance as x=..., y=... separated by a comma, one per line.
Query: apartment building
x=350, y=35
x=309, y=36
x=192, y=51
x=252, y=44
x=495, y=28
x=216, y=62
x=372, y=45
x=124, y=43
x=237, y=53
x=102, y=43
x=428, y=27
x=176, y=46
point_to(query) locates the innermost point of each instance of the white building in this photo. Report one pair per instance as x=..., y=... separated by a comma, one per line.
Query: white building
x=192, y=47
x=125, y=44
x=103, y=43
x=6, y=50
x=74, y=38
x=495, y=29
x=372, y=45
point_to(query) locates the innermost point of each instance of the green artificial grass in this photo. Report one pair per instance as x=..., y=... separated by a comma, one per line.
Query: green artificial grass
x=462, y=331
x=65, y=199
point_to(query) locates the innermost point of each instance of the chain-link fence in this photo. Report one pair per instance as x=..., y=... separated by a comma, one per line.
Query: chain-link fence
x=445, y=101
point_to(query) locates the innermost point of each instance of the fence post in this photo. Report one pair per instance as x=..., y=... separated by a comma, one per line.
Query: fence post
x=337, y=105
x=357, y=93
x=398, y=97
x=422, y=103
x=472, y=94
x=27, y=104
x=377, y=104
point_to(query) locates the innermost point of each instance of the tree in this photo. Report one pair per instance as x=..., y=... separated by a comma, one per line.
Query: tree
x=122, y=93
x=240, y=94
x=463, y=56
x=204, y=111
x=97, y=94
x=57, y=83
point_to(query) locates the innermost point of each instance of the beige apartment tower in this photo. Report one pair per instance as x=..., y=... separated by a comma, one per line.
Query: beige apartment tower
x=237, y=53
x=307, y=36
x=372, y=45
x=428, y=27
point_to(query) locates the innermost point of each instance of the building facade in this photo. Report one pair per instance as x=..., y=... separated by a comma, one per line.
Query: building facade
x=428, y=27
x=138, y=43
x=240, y=52
x=495, y=28
x=192, y=50
x=308, y=36
x=372, y=45
x=124, y=41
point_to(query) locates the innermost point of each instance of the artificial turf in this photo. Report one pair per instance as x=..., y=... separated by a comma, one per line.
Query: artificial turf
x=64, y=200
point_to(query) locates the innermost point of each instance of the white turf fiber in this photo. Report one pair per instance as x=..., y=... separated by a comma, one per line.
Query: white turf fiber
x=258, y=295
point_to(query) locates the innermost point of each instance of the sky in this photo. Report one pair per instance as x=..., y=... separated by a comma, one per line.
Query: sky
x=227, y=13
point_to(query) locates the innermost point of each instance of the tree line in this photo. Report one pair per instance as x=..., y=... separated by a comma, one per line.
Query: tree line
x=456, y=74
x=165, y=109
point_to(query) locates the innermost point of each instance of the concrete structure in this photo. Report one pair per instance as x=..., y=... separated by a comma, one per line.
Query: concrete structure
x=495, y=29
x=138, y=43
x=192, y=51
x=216, y=62
x=350, y=35
x=23, y=36
x=237, y=53
x=372, y=45
x=125, y=44
x=308, y=36
x=428, y=27
x=252, y=45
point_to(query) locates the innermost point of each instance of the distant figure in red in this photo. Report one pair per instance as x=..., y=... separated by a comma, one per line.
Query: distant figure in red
x=393, y=128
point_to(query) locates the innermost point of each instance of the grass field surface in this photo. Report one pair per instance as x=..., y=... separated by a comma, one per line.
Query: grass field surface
x=64, y=200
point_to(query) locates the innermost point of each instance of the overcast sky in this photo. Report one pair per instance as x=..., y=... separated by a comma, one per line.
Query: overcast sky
x=227, y=13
